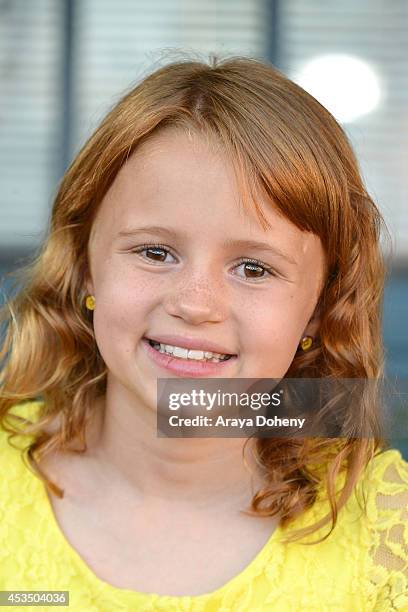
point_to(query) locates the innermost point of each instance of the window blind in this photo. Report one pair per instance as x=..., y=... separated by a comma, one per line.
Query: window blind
x=375, y=31
x=29, y=98
x=117, y=43
x=113, y=45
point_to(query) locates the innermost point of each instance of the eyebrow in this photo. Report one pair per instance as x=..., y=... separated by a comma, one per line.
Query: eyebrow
x=250, y=244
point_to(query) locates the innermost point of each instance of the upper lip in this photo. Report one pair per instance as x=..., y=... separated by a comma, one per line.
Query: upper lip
x=189, y=342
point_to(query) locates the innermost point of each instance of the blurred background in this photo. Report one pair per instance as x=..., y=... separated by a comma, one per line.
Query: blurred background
x=64, y=63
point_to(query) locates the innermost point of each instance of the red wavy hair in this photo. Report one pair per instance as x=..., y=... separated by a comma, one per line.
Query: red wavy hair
x=283, y=144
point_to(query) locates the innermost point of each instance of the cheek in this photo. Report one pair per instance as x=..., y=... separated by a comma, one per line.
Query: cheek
x=272, y=318
x=272, y=335
x=121, y=310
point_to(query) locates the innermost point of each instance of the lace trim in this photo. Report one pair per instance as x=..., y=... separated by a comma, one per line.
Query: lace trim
x=388, y=516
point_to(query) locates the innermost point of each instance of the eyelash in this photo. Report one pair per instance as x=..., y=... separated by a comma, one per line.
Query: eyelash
x=242, y=260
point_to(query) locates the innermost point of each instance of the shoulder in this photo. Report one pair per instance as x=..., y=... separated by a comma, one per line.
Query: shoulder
x=386, y=481
x=24, y=535
x=13, y=463
x=386, y=458
x=28, y=409
x=385, y=489
x=12, y=446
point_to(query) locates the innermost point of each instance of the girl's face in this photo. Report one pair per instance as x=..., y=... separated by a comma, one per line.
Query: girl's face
x=197, y=283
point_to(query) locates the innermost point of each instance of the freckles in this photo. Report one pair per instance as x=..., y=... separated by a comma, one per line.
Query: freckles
x=140, y=282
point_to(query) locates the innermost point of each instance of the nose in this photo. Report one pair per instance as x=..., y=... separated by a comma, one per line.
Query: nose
x=197, y=301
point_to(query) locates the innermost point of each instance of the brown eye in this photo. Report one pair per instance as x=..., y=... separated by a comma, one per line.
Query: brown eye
x=153, y=252
x=254, y=270
x=158, y=254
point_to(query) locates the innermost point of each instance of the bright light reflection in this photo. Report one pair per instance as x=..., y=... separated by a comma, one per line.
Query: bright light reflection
x=347, y=86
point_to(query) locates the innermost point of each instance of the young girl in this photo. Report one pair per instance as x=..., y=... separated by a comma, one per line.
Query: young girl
x=218, y=211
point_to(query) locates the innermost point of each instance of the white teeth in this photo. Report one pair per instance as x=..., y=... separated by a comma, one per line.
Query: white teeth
x=184, y=353
x=180, y=352
x=195, y=354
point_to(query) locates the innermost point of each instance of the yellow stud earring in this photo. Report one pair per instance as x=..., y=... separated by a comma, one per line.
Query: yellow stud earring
x=306, y=343
x=90, y=302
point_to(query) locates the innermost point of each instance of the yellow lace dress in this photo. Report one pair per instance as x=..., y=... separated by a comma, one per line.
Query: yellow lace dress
x=362, y=566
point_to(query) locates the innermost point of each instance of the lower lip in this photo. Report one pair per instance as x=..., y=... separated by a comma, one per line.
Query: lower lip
x=184, y=367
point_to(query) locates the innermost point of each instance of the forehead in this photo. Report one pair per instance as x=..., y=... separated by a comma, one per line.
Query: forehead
x=184, y=180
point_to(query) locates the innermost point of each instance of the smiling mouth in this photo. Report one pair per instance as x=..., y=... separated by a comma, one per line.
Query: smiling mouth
x=188, y=354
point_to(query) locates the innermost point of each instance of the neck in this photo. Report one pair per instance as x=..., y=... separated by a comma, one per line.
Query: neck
x=199, y=472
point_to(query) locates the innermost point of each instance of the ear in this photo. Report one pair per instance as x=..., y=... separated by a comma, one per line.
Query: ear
x=312, y=328
x=89, y=284
x=89, y=288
